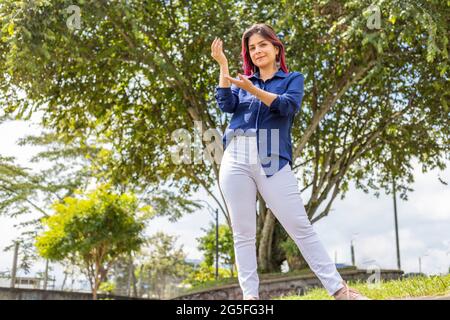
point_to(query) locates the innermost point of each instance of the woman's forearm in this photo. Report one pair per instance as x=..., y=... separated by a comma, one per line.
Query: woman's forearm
x=224, y=82
x=266, y=97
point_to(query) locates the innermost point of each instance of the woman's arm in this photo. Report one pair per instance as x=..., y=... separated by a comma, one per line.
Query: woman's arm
x=227, y=96
x=289, y=102
x=218, y=55
x=285, y=104
x=265, y=96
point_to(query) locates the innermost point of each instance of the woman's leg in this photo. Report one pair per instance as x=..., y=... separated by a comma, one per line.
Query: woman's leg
x=282, y=196
x=239, y=191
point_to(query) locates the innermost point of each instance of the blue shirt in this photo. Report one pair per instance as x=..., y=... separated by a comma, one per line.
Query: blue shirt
x=252, y=117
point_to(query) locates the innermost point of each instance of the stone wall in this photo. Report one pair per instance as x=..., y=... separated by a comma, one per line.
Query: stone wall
x=294, y=285
x=35, y=294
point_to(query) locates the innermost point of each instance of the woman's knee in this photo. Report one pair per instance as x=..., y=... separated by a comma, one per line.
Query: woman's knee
x=247, y=237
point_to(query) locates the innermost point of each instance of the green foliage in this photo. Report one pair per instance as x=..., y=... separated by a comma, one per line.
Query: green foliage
x=107, y=287
x=207, y=244
x=18, y=188
x=204, y=274
x=102, y=220
x=293, y=256
x=162, y=267
x=375, y=99
x=94, y=231
x=206, y=271
x=135, y=72
x=393, y=289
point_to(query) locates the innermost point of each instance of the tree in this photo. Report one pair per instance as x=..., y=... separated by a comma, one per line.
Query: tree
x=93, y=232
x=30, y=193
x=163, y=265
x=19, y=194
x=207, y=244
x=73, y=165
x=123, y=275
x=376, y=97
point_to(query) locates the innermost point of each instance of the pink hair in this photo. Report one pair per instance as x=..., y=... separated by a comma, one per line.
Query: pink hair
x=268, y=33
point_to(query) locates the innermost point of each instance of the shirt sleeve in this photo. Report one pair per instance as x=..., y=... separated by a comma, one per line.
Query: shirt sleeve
x=227, y=98
x=289, y=102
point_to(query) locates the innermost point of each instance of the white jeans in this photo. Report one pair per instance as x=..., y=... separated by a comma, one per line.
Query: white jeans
x=240, y=177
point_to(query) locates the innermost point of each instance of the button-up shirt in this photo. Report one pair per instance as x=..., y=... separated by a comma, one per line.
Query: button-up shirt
x=270, y=124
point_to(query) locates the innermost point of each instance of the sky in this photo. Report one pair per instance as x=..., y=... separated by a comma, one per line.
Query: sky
x=424, y=221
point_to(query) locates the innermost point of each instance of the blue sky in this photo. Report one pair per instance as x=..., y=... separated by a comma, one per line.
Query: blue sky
x=424, y=220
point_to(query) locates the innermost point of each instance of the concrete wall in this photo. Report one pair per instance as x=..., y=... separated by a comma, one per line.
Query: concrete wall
x=35, y=294
x=295, y=285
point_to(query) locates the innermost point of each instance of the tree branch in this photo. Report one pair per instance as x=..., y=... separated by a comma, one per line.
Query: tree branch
x=351, y=76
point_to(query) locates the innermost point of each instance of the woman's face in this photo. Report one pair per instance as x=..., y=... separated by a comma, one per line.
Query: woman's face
x=262, y=52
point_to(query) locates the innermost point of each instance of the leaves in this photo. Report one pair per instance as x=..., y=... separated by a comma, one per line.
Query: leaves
x=93, y=231
x=137, y=71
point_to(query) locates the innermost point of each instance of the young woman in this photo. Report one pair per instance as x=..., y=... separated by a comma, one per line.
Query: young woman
x=258, y=157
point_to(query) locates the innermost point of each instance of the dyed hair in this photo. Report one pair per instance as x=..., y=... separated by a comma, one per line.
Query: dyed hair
x=267, y=33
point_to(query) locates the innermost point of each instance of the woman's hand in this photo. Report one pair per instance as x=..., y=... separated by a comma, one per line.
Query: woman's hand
x=266, y=97
x=217, y=52
x=244, y=83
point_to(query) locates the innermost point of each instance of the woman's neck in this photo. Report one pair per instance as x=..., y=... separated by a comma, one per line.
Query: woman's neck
x=267, y=73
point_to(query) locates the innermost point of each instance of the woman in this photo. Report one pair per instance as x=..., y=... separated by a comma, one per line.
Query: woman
x=258, y=157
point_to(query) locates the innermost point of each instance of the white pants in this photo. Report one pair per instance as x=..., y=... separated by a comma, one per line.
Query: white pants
x=240, y=177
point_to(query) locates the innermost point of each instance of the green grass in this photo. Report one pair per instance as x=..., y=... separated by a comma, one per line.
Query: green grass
x=394, y=289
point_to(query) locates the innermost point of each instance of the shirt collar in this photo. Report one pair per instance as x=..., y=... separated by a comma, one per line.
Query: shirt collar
x=280, y=73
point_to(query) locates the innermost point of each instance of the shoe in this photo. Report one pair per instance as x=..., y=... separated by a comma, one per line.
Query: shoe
x=250, y=298
x=347, y=293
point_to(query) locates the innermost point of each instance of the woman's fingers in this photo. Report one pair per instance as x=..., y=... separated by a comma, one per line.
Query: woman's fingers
x=217, y=50
x=217, y=43
x=231, y=79
x=214, y=46
x=243, y=78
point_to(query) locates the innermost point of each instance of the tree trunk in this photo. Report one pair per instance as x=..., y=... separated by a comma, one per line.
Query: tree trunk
x=135, y=292
x=278, y=254
x=270, y=235
x=94, y=293
x=265, y=244
x=64, y=281
x=297, y=262
x=260, y=220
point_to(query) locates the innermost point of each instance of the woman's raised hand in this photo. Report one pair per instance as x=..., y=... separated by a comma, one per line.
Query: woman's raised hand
x=244, y=83
x=217, y=51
